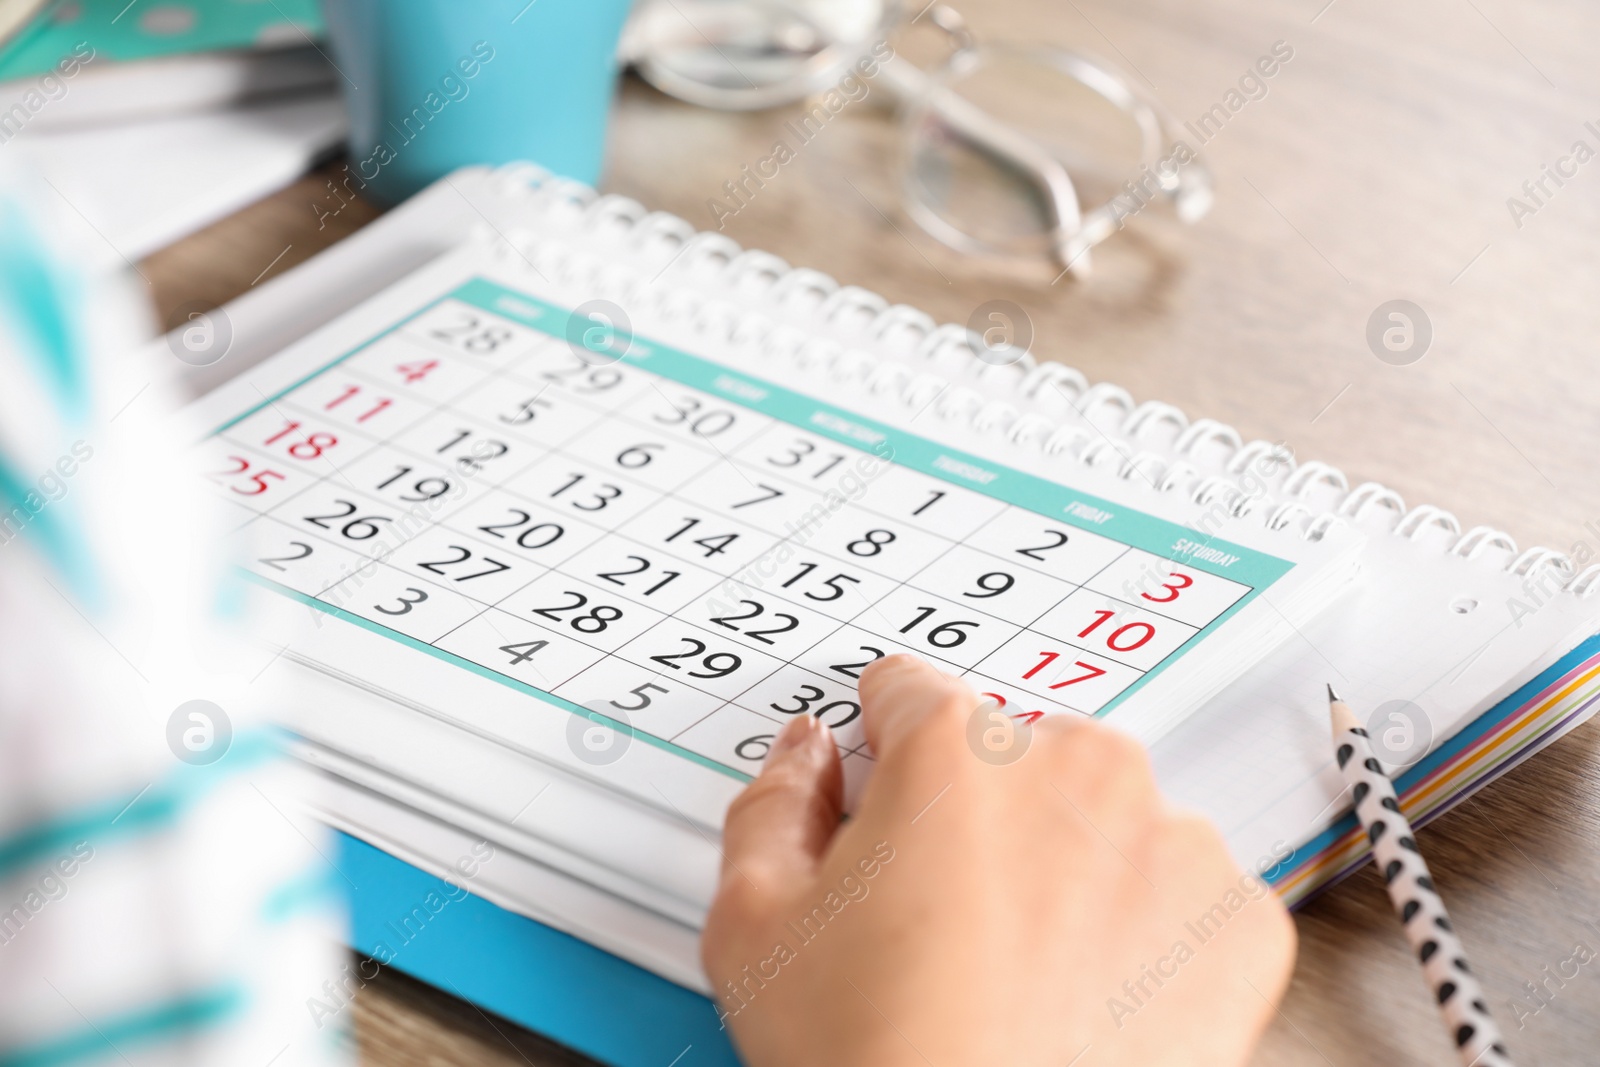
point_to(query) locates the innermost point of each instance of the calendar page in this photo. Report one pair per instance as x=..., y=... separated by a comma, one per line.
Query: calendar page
x=565, y=535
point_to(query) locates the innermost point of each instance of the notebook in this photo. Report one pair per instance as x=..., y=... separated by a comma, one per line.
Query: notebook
x=589, y=737
x=136, y=187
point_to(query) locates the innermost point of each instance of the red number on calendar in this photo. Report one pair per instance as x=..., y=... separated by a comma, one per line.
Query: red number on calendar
x=416, y=370
x=309, y=447
x=1179, y=582
x=1047, y=658
x=255, y=480
x=355, y=390
x=1124, y=638
x=1026, y=718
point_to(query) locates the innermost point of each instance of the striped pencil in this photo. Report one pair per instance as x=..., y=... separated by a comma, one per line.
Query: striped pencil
x=1427, y=924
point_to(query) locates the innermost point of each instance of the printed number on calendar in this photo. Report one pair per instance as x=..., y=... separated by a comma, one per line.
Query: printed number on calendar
x=479, y=565
x=308, y=445
x=1124, y=638
x=521, y=651
x=1089, y=671
x=348, y=523
x=1056, y=540
x=526, y=412
x=529, y=534
x=471, y=457
x=277, y=562
x=1172, y=588
x=252, y=481
x=940, y=634
x=642, y=692
x=710, y=544
x=417, y=370
x=424, y=488
x=635, y=456
x=801, y=457
x=764, y=493
x=870, y=543
x=754, y=749
x=762, y=632
x=1027, y=718
x=593, y=621
x=471, y=334
x=696, y=662
x=991, y=584
x=690, y=415
x=820, y=588
x=583, y=378
x=623, y=575
x=844, y=711
x=358, y=399
x=409, y=599
x=853, y=670
x=592, y=496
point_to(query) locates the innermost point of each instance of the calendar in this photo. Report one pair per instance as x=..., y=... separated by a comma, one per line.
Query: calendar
x=627, y=536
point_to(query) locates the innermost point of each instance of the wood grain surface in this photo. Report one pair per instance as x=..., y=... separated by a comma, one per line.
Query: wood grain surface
x=1377, y=166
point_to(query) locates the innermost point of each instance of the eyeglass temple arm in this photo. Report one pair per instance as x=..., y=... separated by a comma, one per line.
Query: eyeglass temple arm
x=912, y=86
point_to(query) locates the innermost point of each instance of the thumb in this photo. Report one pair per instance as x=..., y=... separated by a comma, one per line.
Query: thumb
x=778, y=829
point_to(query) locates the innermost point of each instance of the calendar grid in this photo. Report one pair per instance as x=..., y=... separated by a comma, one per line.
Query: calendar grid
x=600, y=456
x=374, y=443
x=443, y=521
x=1032, y=623
x=666, y=495
x=671, y=494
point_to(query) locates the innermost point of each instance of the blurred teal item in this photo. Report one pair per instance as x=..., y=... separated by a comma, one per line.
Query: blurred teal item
x=433, y=85
x=117, y=31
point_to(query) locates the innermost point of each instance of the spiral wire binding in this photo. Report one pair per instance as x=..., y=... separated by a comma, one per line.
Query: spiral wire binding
x=769, y=289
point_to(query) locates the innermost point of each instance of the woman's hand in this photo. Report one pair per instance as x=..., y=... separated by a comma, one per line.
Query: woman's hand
x=1051, y=910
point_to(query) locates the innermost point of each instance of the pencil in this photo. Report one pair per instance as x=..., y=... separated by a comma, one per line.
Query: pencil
x=1422, y=913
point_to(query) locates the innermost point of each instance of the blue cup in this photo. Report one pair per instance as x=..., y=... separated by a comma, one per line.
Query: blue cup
x=433, y=85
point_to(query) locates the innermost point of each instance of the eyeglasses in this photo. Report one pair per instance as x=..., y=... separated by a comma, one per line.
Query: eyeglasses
x=1007, y=151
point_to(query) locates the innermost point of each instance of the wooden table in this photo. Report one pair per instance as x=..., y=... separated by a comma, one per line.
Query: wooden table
x=1378, y=166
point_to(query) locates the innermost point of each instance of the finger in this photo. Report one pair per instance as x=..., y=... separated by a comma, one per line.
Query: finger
x=778, y=828
x=903, y=695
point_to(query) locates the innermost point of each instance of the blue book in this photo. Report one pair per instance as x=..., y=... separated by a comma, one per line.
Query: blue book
x=550, y=982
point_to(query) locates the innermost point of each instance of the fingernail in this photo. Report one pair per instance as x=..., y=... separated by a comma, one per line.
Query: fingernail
x=793, y=736
x=898, y=661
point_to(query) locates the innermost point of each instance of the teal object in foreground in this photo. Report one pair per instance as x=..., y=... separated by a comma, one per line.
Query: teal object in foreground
x=434, y=85
x=545, y=980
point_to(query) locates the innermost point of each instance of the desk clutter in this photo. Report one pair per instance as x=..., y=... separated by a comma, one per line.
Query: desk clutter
x=155, y=121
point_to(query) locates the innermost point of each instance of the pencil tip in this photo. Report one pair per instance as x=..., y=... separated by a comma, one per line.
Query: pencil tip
x=1340, y=715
